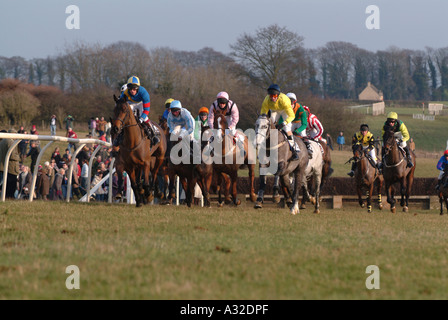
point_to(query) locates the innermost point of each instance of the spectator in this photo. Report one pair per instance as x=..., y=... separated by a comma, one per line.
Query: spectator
x=83, y=154
x=341, y=140
x=100, y=193
x=13, y=168
x=34, y=131
x=24, y=180
x=84, y=176
x=411, y=145
x=51, y=171
x=72, y=134
x=67, y=157
x=33, y=153
x=23, y=146
x=21, y=130
x=101, y=127
x=69, y=122
x=43, y=183
x=76, y=179
x=56, y=156
x=53, y=125
x=92, y=126
x=57, y=185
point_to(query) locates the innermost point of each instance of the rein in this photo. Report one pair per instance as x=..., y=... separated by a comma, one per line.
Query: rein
x=395, y=164
x=124, y=126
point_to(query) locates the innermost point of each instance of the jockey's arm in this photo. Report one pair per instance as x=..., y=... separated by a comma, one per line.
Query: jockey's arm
x=235, y=115
x=404, y=132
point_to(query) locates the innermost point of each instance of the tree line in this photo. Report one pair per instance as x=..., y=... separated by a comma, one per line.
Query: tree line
x=82, y=79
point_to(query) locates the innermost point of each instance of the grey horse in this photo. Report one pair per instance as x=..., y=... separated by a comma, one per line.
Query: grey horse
x=274, y=156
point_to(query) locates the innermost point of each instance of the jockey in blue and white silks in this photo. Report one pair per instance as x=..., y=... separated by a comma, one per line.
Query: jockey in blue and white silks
x=139, y=100
x=180, y=117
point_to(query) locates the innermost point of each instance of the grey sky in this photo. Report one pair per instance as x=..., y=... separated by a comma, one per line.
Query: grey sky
x=37, y=29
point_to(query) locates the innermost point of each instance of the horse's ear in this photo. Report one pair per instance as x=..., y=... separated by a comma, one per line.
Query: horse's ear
x=115, y=98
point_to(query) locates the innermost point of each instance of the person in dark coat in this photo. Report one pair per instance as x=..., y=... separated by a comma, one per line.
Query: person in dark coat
x=42, y=184
x=33, y=153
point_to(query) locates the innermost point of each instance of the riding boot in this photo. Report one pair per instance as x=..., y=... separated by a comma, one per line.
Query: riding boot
x=408, y=156
x=294, y=148
x=150, y=133
x=439, y=183
x=308, y=146
x=379, y=166
x=352, y=171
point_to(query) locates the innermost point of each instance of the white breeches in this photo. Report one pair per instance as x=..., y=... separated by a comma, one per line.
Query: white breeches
x=275, y=116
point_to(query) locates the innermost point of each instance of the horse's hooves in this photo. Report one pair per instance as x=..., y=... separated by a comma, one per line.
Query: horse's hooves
x=317, y=211
x=289, y=202
x=362, y=205
x=313, y=200
x=302, y=206
x=220, y=204
x=138, y=205
x=369, y=210
x=393, y=210
x=253, y=197
x=380, y=207
x=276, y=199
x=294, y=211
x=238, y=202
x=405, y=209
x=228, y=201
x=258, y=205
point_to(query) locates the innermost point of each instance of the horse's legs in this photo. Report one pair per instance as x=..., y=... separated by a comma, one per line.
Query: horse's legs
x=286, y=189
x=135, y=187
x=441, y=200
x=317, y=182
x=369, y=198
x=390, y=192
x=379, y=190
x=261, y=189
x=298, y=181
x=253, y=196
x=276, y=188
x=305, y=194
x=359, y=191
x=234, y=180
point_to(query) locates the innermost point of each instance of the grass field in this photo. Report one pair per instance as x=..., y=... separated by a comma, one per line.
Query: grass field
x=172, y=253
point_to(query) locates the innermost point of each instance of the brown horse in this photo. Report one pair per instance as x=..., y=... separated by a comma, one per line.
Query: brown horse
x=366, y=175
x=231, y=156
x=136, y=155
x=395, y=170
x=443, y=192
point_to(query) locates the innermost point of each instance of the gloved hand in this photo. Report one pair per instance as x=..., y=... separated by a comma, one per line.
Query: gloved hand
x=141, y=120
x=280, y=126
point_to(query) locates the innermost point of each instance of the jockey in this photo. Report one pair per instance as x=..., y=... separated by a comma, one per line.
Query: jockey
x=315, y=129
x=442, y=165
x=139, y=102
x=365, y=138
x=167, y=108
x=300, y=122
x=280, y=106
x=179, y=116
x=400, y=132
x=201, y=121
x=230, y=109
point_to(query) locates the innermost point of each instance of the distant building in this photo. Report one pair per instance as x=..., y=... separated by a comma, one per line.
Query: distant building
x=371, y=93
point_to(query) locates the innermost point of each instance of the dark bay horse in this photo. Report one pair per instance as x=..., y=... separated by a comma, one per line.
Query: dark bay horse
x=274, y=155
x=395, y=170
x=231, y=158
x=136, y=155
x=366, y=176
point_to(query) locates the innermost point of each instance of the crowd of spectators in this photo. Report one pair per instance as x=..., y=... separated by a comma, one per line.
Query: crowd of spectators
x=52, y=175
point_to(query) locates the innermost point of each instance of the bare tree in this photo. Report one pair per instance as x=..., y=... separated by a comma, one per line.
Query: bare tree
x=266, y=56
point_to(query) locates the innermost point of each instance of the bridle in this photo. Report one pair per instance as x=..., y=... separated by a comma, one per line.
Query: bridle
x=388, y=148
x=123, y=121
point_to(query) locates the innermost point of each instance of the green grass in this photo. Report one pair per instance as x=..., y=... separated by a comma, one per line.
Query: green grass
x=179, y=253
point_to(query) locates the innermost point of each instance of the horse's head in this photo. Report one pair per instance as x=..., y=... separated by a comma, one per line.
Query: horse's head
x=122, y=113
x=262, y=129
x=220, y=124
x=358, y=151
x=389, y=141
x=163, y=123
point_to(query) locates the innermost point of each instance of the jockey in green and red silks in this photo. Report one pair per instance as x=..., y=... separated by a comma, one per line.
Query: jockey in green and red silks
x=400, y=132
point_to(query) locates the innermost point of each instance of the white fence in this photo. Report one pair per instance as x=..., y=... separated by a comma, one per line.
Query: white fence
x=435, y=108
x=378, y=108
x=16, y=137
x=423, y=117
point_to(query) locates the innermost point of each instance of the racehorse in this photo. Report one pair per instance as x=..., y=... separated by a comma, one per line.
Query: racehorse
x=443, y=192
x=136, y=155
x=395, y=170
x=231, y=151
x=278, y=160
x=312, y=179
x=366, y=175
